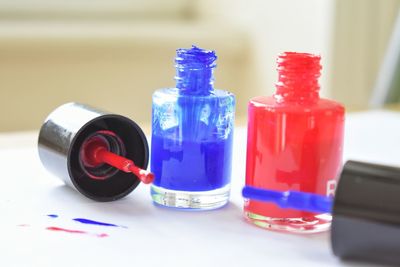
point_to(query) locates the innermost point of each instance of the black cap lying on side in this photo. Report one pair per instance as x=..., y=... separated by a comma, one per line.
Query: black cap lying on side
x=366, y=213
x=61, y=139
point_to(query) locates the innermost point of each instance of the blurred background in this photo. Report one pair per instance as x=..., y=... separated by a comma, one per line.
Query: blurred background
x=113, y=54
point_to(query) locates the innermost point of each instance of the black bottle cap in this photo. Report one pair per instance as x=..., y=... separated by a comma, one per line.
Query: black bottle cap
x=366, y=213
x=60, y=143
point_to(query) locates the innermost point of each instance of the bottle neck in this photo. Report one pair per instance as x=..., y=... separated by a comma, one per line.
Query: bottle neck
x=195, y=71
x=298, y=75
x=194, y=81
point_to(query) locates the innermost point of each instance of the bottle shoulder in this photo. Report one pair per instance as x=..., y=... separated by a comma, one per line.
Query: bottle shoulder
x=174, y=93
x=270, y=103
x=192, y=117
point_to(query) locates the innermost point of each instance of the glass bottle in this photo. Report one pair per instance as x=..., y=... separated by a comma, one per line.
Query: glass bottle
x=192, y=131
x=295, y=142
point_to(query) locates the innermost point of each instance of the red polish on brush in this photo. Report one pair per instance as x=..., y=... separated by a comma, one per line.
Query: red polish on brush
x=96, y=152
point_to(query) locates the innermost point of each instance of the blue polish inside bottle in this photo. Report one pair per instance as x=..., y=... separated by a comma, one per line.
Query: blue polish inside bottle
x=192, y=134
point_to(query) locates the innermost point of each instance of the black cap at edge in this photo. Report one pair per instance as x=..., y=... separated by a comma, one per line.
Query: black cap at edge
x=366, y=213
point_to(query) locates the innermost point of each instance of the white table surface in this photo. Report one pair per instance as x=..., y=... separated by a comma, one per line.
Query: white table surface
x=159, y=236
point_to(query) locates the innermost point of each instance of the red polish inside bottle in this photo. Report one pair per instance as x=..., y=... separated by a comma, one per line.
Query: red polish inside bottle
x=295, y=142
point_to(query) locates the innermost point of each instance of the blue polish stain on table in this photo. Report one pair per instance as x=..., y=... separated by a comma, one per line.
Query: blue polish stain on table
x=87, y=221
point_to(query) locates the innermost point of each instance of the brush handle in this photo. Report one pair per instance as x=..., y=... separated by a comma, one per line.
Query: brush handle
x=291, y=199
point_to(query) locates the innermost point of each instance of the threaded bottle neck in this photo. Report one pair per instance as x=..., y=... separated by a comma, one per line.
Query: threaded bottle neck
x=298, y=75
x=194, y=71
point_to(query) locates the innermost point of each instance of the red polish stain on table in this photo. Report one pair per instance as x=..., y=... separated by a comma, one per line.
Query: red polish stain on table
x=72, y=231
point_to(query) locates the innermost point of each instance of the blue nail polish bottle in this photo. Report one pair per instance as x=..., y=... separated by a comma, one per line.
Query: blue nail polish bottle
x=192, y=131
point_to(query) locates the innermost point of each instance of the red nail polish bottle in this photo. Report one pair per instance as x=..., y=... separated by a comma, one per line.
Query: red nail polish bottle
x=295, y=142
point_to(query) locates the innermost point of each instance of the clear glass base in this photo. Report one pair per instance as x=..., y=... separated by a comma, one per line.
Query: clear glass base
x=314, y=224
x=193, y=200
